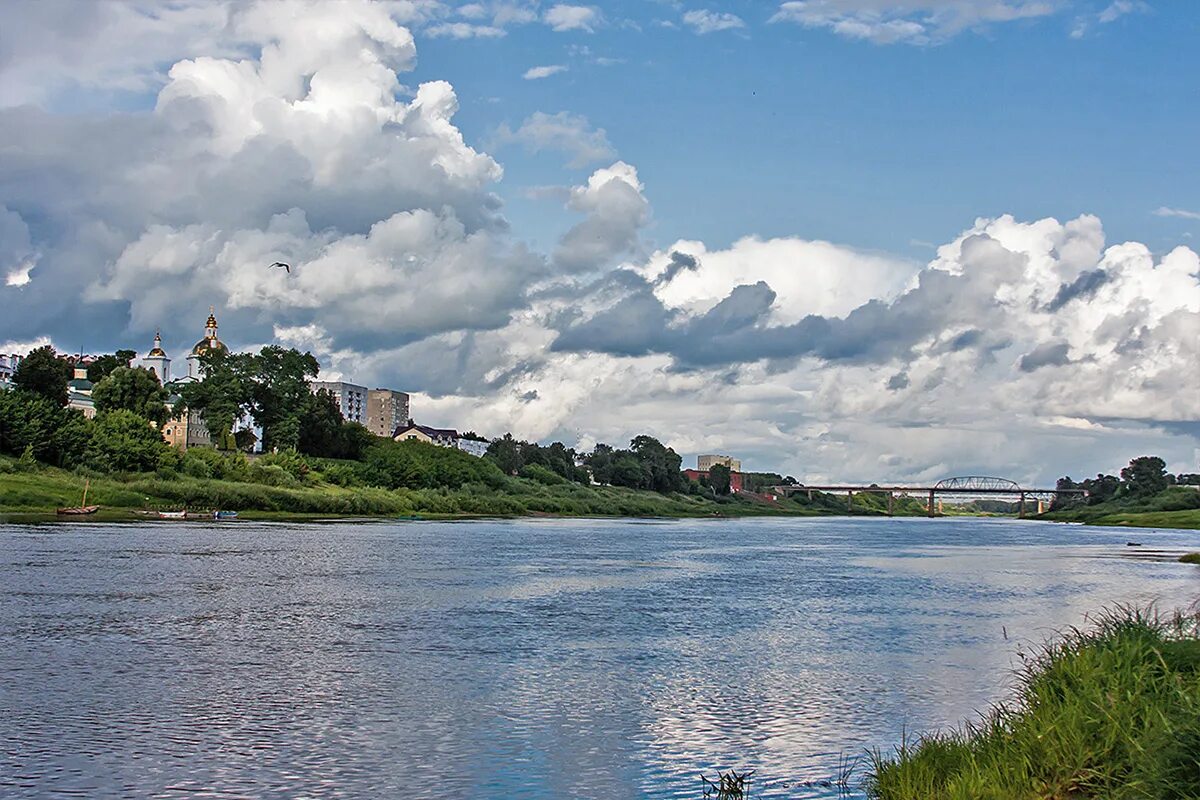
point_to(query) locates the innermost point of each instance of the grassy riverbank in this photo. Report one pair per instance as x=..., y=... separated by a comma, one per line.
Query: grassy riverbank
x=1175, y=507
x=39, y=489
x=1110, y=713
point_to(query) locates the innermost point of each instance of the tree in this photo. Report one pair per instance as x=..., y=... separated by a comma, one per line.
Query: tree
x=507, y=454
x=279, y=393
x=719, y=478
x=320, y=425
x=43, y=373
x=132, y=389
x=1101, y=488
x=1145, y=476
x=601, y=462
x=662, y=463
x=223, y=396
x=122, y=441
x=52, y=433
x=104, y=365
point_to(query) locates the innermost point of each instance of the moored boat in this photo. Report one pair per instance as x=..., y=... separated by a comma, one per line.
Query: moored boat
x=82, y=508
x=224, y=515
x=172, y=514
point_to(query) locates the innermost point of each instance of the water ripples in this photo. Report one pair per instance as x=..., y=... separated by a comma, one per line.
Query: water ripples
x=543, y=659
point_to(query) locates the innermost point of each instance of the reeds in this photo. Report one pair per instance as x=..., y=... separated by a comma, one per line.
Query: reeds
x=1112, y=712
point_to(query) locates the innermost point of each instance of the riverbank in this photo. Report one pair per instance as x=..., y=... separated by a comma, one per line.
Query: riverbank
x=34, y=494
x=1109, y=713
x=1175, y=507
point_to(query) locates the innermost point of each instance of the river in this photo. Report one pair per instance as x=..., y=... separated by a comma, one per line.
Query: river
x=532, y=659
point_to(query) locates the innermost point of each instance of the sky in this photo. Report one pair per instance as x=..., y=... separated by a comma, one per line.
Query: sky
x=860, y=240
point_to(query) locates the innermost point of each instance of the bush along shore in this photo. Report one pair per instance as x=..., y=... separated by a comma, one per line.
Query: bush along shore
x=405, y=479
x=1111, y=713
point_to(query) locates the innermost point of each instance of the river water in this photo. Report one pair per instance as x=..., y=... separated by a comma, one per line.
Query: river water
x=532, y=659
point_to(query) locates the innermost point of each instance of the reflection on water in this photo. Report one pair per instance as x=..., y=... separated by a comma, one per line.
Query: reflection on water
x=547, y=659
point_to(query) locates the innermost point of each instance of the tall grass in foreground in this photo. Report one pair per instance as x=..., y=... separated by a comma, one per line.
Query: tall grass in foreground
x=1112, y=713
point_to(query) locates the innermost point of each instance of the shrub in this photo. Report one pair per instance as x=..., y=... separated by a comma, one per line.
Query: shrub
x=542, y=475
x=124, y=442
x=289, y=460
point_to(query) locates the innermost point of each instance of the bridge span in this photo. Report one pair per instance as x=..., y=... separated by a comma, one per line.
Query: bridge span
x=977, y=485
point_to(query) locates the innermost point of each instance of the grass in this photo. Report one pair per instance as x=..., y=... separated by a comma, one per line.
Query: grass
x=1190, y=558
x=42, y=489
x=1176, y=507
x=1112, y=713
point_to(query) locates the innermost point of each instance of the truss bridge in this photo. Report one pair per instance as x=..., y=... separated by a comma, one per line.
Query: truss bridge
x=977, y=486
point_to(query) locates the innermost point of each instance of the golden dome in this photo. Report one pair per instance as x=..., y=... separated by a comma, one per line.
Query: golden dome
x=210, y=340
x=206, y=344
x=157, y=351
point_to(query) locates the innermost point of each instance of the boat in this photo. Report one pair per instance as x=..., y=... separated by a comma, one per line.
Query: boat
x=83, y=507
x=224, y=515
x=172, y=515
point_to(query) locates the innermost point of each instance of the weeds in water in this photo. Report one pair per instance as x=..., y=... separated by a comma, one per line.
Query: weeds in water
x=1190, y=558
x=728, y=785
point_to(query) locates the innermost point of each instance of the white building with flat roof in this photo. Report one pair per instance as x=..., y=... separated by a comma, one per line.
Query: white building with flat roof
x=351, y=398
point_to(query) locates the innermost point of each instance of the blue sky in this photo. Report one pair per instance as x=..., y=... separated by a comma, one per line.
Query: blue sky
x=841, y=239
x=778, y=129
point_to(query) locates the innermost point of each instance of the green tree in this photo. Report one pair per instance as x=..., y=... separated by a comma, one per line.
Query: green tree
x=132, y=389
x=280, y=393
x=320, y=425
x=719, y=478
x=54, y=434
x=1145, y=476
x=43, y=373
x=601, y=462
x=122, y=441
x=223, y=396
x=507, y=454
x=661, y=462
x=104, y=365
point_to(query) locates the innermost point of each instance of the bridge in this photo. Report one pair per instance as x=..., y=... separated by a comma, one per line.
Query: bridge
x=971, y=485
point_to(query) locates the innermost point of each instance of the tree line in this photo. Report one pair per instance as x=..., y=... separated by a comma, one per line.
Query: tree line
x=1144, y=477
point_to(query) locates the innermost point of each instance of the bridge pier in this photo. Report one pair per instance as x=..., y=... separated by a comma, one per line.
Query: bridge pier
x=891, y=500
x=1021, y=507
x=849, y=501
x=931, y=506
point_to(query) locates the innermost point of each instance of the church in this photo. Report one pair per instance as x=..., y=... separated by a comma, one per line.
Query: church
x=187, y=429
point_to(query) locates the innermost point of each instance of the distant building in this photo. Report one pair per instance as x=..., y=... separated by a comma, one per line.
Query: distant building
x=736, y=483
x=705, y=463
x=157, y=361
x=209, y=343
x=387, y=410
x=475, y=447
x=186, y=429
x=351, y=398
x=442, y=437
x=79, y=391
x=8, y=365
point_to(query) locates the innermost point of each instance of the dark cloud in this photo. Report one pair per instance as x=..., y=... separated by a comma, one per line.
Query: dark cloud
x=898, y=381
x=678, y=263
x=1049, y=354
x=1082, y=287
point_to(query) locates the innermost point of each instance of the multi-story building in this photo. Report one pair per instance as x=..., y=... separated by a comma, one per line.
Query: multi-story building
x=387, y=410
x=8, y=365
x=706, y=462
x=186, y=429
x=351, y=398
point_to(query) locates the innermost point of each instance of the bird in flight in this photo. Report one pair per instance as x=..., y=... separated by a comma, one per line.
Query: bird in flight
x=285, y=266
